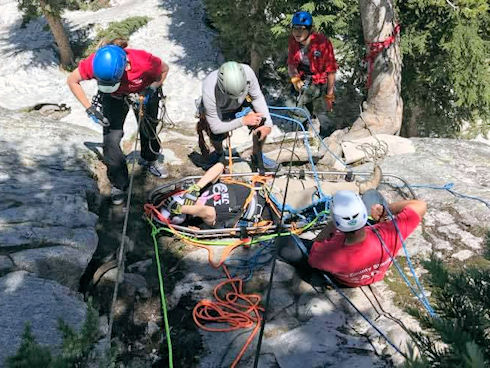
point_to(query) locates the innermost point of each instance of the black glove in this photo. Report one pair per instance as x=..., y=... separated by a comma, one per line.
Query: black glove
x=148, y=93
x=97, y=116
x=172, y=206
x=192, y=194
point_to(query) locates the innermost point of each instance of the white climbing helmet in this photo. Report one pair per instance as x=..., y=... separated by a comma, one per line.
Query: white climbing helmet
x=232, y=79
x=174, y=219
x=348, y=211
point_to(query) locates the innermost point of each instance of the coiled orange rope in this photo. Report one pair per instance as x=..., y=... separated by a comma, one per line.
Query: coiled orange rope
x=233, y=308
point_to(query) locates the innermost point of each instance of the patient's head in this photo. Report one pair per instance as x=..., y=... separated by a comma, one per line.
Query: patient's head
x=165, y=210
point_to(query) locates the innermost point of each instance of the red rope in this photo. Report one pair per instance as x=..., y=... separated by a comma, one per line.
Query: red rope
x=375, y=48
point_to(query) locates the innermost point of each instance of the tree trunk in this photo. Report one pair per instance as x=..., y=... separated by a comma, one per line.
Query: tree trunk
x=256, y=11
x=382, y=112
x=59, y=34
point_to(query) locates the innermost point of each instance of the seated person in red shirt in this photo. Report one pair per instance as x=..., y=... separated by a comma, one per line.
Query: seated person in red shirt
x=121, y=71
x=349, y=251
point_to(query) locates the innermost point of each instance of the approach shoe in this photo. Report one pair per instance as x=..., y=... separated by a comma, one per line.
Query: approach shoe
x=117, y=196
x=372, y=182
x=155, y=168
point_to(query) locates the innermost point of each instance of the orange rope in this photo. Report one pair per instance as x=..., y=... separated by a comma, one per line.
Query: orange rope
x=230, y=157
x=232, y=307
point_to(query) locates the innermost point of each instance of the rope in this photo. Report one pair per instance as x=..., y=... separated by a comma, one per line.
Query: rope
x=337, y=289
x=422, y=296
x=259, y=259
x=365, y=317
x=317, y=134
x=274, y=256
x=121, y=253
x=449, y=187
x=232, y=307
x=163, y=300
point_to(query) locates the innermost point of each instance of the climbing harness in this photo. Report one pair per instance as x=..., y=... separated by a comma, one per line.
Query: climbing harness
x=152, y=127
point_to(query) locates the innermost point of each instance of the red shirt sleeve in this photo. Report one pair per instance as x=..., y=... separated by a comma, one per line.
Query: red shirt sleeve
x=155, y=67
x=407, y=221
x=292, y=50
x=86, y=69
x=330, y=62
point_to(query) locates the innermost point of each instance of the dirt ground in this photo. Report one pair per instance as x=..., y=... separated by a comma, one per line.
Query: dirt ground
x=136, y=347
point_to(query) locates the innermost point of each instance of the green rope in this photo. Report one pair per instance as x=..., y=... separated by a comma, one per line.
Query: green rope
x=154, y=233
x=229, y=242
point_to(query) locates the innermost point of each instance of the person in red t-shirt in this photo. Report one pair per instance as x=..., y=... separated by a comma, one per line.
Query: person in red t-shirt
x=119, y=72
x=312, y=67
x=351, y=252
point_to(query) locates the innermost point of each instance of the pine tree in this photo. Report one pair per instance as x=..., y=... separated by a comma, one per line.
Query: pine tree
x=445, y=77
x=459, y=336
x=51, y=9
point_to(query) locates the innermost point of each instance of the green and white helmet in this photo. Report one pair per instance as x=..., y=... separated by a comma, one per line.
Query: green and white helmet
x=232, y=79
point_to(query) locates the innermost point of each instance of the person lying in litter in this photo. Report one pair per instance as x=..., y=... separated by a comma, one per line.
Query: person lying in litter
x=212, y=204
x=348, y=250
x=209, y=204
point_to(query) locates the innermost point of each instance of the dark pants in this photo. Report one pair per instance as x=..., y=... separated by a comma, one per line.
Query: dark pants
x=116, y=110
x=217, y=139
x=313, y=99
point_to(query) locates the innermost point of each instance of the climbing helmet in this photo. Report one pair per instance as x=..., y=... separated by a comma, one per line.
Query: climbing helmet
x=348, y=211
x=109, y=64
x=232, y=79
x=302, y=18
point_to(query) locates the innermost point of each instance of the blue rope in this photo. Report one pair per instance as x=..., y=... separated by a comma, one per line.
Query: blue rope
x=301, y=246
x=298, y=211
x=307, y=115
x=449, y=187
x=366, y=318
x=420, y=296
x=308, y=149
x=259, y=259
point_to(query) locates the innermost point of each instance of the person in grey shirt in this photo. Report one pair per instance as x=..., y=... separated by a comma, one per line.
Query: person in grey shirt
x=231, y=98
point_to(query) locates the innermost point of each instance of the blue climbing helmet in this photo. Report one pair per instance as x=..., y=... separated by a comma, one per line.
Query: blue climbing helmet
x=109, y=64
x=302, y=18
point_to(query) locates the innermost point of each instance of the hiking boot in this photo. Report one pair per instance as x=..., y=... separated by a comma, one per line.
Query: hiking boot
x=372, y=182
x=155, y=168
x=117, y=196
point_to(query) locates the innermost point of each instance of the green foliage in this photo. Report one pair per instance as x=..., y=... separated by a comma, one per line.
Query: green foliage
x=122, y=29
x=30, y=353
x=32, y=8
x=91, y=5
x=459, y=337
x=445, y=76
x=75, y=348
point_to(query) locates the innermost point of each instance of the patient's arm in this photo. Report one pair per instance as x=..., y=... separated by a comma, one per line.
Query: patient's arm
x=206, y=213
